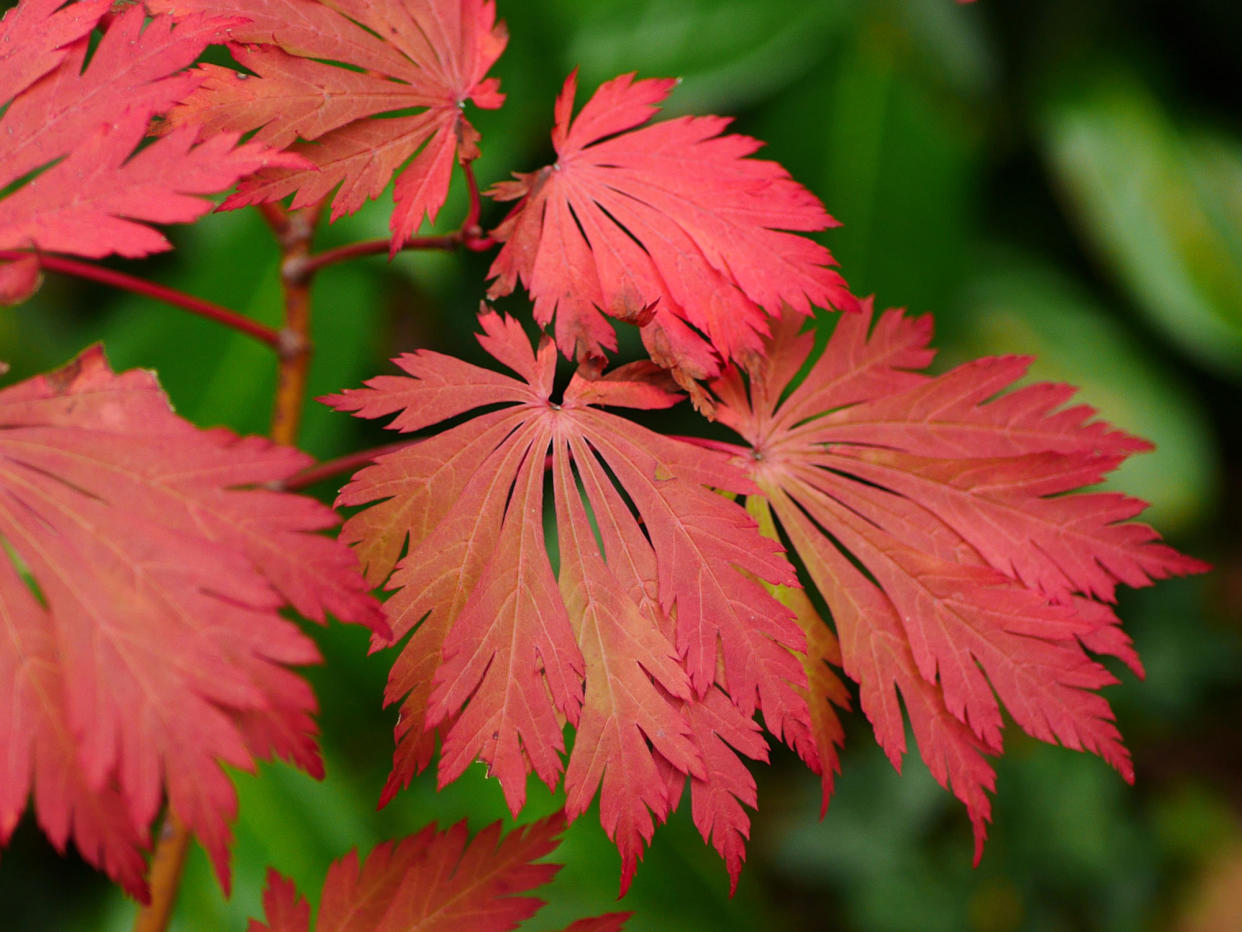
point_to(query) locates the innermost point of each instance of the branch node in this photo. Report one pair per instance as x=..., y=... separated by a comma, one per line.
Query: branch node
x=291, y=343
x=296, y=269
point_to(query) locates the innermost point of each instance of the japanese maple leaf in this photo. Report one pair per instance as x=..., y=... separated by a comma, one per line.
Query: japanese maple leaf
x=935, y=517
x=86, y=123
x=434, y=882
x=432, y=55
x=35, y=36
x=670, y=226
x=656, y=605
x=141, y=645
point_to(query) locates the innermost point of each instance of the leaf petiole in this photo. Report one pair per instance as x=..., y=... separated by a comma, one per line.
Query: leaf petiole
x=188, y=302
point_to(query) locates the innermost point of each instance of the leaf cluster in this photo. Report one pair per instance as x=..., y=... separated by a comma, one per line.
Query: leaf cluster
x=669, y=616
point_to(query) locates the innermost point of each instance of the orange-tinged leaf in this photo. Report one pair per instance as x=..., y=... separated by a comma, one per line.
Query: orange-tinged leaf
x=441, y=881
x=434, y=881
x=625, y=655
x=283, y=908
x=817, y=744
x=140, y=591
x=36, y=738
x=670, y=226
x=655, y=607
x=433, y=55
x=935, y=517
x=86, y=123
x=875, y=653
x=721, y=733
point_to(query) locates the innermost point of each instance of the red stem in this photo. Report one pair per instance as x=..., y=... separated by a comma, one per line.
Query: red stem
x=275, y=215
x=468, y=236
x=148, y=289
x=376, y=247
x=350, y=463
x=471, y=233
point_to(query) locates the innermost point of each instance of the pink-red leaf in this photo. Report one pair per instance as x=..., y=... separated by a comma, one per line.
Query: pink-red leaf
x=140, y=631
x=97, y=199
x=657, y=602
x=817, y=742
x=432, y=881
x=428, y=54
x=34, y=38
x=980, y=570
x=283, y=908
x=720, y=733
x=89, y=203
x=668, y=225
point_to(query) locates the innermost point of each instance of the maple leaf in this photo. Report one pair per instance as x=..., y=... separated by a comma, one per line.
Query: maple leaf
x=34, y=36
x=433, y=55
x=670, y=226
x=935, y=517
x=432, y=881
x=656, y=606
x=89, y=120
x=140, y=642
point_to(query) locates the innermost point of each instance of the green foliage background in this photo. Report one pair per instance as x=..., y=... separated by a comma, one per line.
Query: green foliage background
x=1061, y=178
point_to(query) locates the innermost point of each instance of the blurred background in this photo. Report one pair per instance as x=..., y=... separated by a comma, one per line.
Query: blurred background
x=1061, y=178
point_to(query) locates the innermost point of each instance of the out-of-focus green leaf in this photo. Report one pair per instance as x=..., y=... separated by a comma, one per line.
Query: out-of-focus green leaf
x=731, y=53
x=878, y=847
x=213, y=375
x=951, y=43
x=889, y=152
x=1162, y=205
x=1019, y=306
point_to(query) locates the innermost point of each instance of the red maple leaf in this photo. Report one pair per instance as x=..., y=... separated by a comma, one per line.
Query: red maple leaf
x=428, y=54
x=981, y=577
x=96, y=199
x=141, y=644
x=35, y=37
x=670, y=226
x=656, y=605
x=434, y=882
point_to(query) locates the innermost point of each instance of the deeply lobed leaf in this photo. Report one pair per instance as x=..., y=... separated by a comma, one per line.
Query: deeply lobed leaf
x=935, y=518
x=87, y=122
x=140, y=632
x=432, y=55
x=654, y=636
x=434, y=882
x=670, y=226
x=35, y=37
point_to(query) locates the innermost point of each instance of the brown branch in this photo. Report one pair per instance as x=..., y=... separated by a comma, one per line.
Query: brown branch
x=166, y=866
x=294, y=229
x=131, y=283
